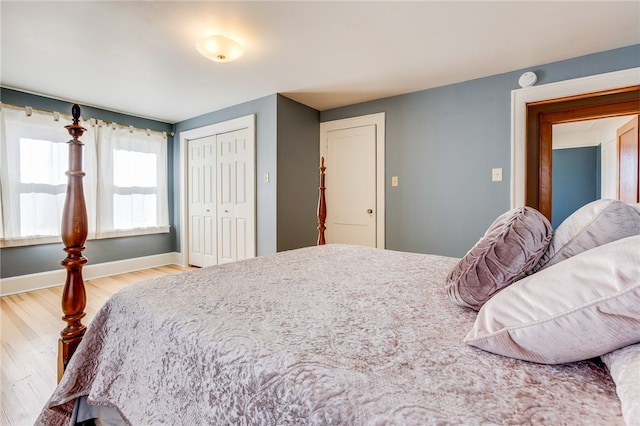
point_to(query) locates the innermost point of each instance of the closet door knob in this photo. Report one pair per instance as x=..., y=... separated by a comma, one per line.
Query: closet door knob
x=370, y=211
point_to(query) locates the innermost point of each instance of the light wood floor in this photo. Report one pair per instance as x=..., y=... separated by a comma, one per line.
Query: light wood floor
x=30, y=324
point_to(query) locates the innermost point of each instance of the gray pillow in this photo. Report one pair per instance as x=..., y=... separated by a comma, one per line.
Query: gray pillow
x=597, y=223
x=512, y=245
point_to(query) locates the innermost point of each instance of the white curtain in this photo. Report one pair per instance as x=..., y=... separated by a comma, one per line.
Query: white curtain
x=132, y=181
x=33, y=154
x=125, y=186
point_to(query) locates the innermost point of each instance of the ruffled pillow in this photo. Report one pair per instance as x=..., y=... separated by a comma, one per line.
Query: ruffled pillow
x=512, y=245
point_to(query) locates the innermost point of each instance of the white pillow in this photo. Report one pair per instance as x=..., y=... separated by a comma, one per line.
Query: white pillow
x=580, y=308
x=592, y=225
x=624, y=366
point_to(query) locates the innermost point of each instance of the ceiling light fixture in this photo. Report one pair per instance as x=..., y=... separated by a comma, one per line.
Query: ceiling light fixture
x=219, y=48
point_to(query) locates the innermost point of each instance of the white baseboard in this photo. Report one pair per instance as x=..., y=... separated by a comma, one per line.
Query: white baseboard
x=22, y=283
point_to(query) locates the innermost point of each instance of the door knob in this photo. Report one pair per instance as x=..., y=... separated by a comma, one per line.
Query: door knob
x=370, y=211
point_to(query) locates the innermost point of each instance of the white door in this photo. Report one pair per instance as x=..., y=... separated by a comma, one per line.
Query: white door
x=202, y=202
x=236, y=188
x=354, y=157
x=218, y=197
x=351, y=186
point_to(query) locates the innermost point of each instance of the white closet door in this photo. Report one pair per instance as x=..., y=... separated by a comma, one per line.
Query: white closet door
x=236, y=195
x=219, y=192
x=202, y=203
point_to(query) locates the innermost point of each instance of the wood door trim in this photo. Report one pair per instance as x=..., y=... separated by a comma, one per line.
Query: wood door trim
x=541, y=116
x=630, y=126
x=588, y=96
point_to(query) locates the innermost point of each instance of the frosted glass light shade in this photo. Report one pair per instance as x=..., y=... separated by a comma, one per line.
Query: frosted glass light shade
x=219, y=48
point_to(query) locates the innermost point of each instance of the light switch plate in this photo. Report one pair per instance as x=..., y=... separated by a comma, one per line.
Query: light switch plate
x=394, y=180
x=496, y=174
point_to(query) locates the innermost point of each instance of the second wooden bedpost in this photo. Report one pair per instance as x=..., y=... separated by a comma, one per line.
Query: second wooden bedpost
x=74, y=235
x=322, y=206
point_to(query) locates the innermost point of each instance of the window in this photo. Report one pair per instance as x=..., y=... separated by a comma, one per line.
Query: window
x=42, y=186
x=125, y=182
x=133, y=184
x=32, y=176
x=135, y=177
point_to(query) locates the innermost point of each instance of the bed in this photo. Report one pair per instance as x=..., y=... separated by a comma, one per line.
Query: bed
x=341, y=334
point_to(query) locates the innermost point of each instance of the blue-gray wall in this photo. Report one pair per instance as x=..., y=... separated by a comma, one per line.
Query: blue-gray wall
x=443, y=143
x=576, y=180
x=47, y=257
x=298, y=161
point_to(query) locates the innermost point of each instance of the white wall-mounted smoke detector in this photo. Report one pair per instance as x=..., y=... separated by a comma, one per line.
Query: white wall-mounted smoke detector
x=528, y=79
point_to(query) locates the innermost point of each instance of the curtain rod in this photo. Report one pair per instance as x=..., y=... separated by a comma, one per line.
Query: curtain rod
x=93, y=121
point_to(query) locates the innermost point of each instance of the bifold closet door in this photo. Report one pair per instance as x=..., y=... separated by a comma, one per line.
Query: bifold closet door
x=236, y=196
x=202, y=202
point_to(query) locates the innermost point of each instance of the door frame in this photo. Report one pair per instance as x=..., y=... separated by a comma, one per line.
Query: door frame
x=541, y=116
x=248, y=121
x=377, y=119
x=520, y=98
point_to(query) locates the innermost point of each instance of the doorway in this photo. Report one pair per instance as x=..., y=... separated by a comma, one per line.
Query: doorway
x=218, y=201
x=543, y=115
x=527, y=162
x=353, y=149
x=588, y=163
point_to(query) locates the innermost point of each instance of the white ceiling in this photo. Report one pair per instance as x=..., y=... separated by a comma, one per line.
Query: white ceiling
x=587, y=132
x=139, y=57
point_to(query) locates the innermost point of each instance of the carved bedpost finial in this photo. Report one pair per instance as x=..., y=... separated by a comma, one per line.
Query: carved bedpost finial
x=75, y=112
x=74, y=234
x=75, y=129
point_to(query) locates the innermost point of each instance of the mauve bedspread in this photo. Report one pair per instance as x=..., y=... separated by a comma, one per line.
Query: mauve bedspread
x=334, y=334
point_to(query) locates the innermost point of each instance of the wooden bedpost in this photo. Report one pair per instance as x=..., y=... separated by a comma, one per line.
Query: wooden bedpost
x=74, y=235
x=322, y=205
